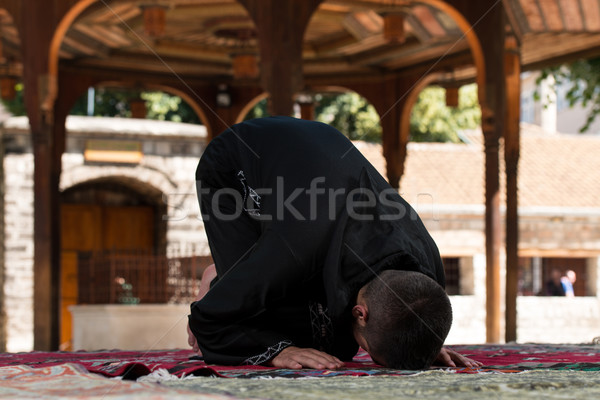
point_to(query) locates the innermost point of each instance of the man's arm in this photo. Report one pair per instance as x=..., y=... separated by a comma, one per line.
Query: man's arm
x=291, y=357
x=208, y=275
x=229, y=322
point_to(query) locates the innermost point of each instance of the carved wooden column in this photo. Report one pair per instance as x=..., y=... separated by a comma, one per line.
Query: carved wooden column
x=281, y=25
x=490, y=30
x=487, y=19
x=512, y=68
x=36, y=24
x=395, y=135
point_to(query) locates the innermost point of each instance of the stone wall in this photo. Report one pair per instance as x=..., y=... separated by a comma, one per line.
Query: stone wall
x=18, y=256
x=161, y=168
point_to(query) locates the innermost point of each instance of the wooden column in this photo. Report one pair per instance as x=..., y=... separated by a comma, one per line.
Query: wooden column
x=491, y=32
x=512, y=68
x=307, y=110
x=487, y=19
x=281, y=25
x=36, y=25
x=389, y=104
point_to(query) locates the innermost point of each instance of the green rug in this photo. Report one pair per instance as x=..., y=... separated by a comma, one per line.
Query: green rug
x=427, y=385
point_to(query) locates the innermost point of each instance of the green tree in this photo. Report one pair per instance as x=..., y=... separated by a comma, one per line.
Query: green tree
x=112, y=102
x=582, y=78
x=432, y=121
x=258, y=111
x=349, y=113
x=16, y=106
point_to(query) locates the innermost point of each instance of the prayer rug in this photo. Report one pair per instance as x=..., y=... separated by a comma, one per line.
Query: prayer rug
x=134, y=364
x=72, y=381
x=429, y=385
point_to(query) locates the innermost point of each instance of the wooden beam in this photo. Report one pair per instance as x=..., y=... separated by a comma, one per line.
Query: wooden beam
x=385, y=52
x=102, y=14
x=86, y=45
x=512, y=68
x=516, y=18
x=534, y=16
x=150, y=63
x=114, y=33
x=330, y=43
x=418, y=29
x=175, y=49
x=542, y=50
x=552, y=15
x=362, y=24
x=590, y=11
x=572, y=17
x=428, y=20
x=431, y=54
x=95, y=32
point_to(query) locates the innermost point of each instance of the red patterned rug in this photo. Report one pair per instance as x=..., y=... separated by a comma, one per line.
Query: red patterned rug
x=133, y=364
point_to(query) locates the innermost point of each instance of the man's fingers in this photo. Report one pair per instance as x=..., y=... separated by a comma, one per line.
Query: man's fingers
x=447, y=358
x=294, y=358
x=451, y=358
x=191, y=337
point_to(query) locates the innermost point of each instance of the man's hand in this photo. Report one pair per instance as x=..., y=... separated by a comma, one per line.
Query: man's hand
x=192, y=341
x=450, y=358
x=295, y=358
x=208, y=275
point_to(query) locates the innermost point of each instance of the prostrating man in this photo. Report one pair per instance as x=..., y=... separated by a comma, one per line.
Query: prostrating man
x=315, y=255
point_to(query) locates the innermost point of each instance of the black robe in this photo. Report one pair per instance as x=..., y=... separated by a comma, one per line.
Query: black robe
x=291, y=251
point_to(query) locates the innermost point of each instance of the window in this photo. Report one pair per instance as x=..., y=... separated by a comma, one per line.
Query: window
x=535, y=274
x=452, y=270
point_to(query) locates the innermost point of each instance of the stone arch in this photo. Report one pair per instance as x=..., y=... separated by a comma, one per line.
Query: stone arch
x=138, y=186
x=137, y=177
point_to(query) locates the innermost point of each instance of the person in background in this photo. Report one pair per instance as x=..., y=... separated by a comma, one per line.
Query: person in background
x=567, y=282
x=554, y=285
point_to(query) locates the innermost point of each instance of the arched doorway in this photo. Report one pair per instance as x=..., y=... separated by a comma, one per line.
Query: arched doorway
x=110, y=214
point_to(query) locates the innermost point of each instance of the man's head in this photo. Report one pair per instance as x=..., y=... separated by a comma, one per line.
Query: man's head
x=402, y=319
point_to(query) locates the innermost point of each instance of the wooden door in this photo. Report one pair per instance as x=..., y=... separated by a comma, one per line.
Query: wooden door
x=128, y=228
x=85, y=228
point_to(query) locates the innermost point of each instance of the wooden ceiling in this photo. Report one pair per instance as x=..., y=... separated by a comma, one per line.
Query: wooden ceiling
x=344, y=37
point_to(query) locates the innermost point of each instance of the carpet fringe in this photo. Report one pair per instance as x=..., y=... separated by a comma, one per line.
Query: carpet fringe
x=162, y=375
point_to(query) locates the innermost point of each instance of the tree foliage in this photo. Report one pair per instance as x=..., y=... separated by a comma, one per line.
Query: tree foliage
x=432, y=121
x=582, y=79
x=351, y=114
x=110, y=102
x=16, y=106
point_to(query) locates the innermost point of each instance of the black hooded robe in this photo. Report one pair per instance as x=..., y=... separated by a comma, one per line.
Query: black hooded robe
x=297, y=222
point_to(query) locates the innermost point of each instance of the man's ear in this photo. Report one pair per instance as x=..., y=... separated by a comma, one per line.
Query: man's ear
x=360, y=313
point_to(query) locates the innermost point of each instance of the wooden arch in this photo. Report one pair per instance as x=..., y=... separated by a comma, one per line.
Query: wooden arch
x=167, y=89
x=249, y=106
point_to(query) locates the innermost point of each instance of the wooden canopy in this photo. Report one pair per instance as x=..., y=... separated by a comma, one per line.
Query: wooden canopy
x=283, y=48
